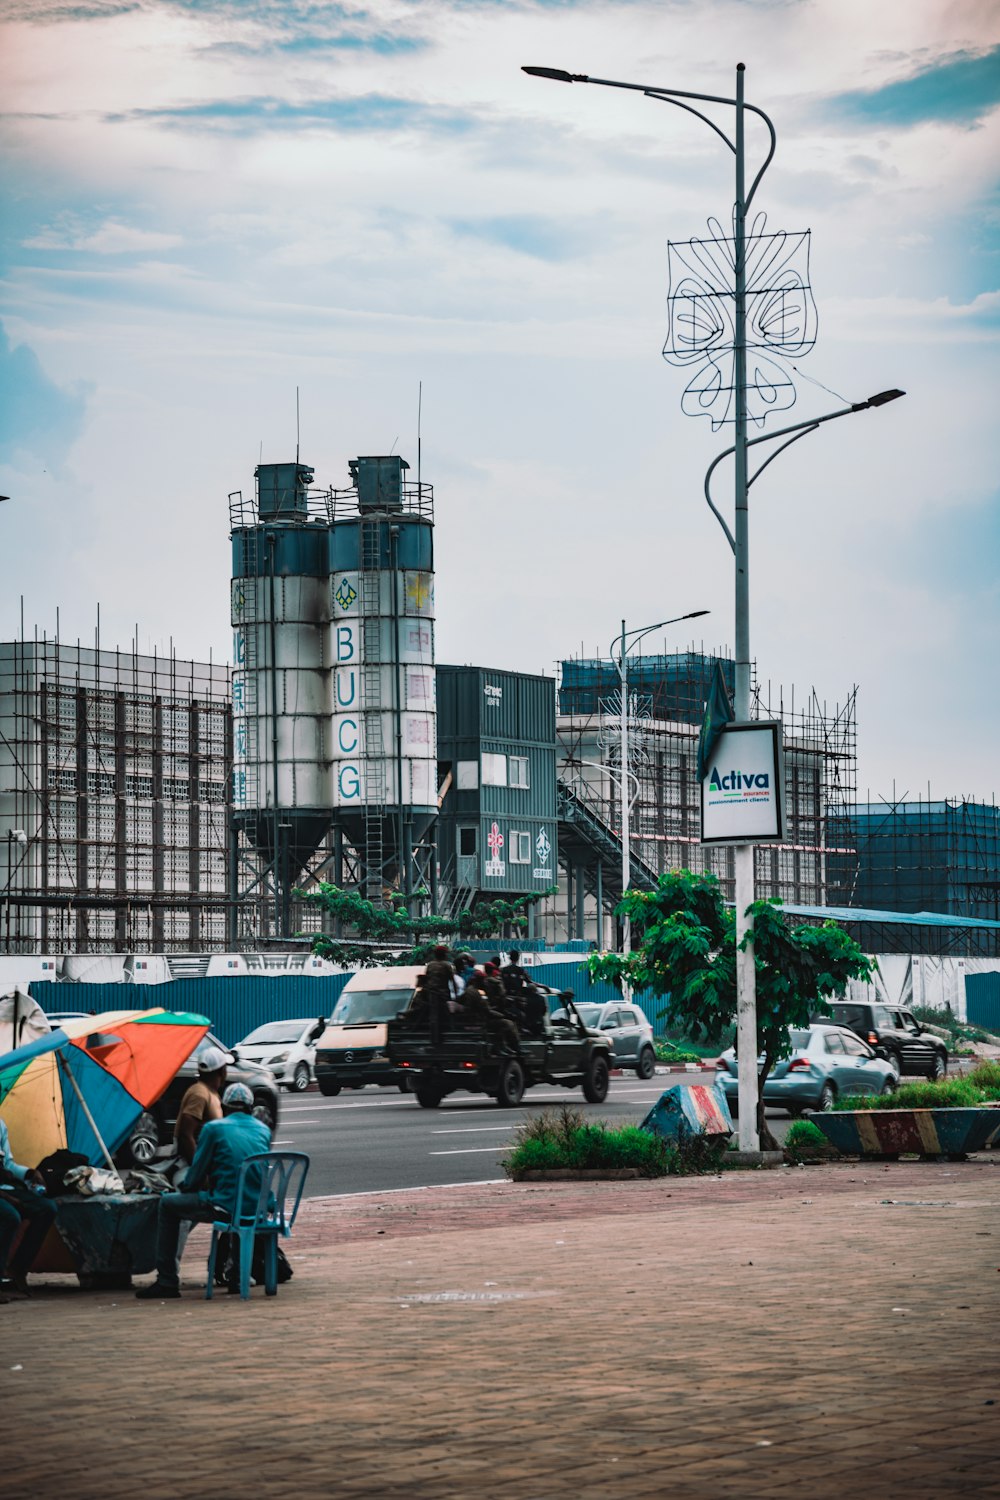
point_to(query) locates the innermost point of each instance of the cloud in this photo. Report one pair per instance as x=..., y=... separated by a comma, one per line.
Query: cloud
x=960, y=89
x=110, y=238
x=541, y=237
x=54, y=12
x=36, y=415
x=369, y=114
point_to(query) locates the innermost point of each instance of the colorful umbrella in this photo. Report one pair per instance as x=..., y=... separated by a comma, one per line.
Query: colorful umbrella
x=86, y=1091
x=142, y=1048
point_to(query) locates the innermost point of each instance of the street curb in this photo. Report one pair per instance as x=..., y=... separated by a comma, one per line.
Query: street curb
x=574, y=1174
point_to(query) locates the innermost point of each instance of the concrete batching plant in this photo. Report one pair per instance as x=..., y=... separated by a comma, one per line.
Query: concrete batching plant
x=334, y=725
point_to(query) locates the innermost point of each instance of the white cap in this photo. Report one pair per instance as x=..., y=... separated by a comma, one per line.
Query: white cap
x=212, y=1059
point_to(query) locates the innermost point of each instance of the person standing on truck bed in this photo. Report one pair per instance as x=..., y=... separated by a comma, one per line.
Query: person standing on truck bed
x=514, y=979
x=439, y=979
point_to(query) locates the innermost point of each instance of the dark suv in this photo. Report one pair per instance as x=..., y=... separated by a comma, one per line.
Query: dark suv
x=153, y=1131
x=895, y=1035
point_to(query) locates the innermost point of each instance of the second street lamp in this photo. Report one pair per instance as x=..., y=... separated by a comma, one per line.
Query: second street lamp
x=626, y=641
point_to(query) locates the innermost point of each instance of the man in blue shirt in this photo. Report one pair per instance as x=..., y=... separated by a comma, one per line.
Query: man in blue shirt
x=19, y=1201
x=209, y=1184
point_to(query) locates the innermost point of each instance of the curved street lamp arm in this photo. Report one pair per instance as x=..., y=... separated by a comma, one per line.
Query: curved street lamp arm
x=792, y=433
x=787, y=444
x=675, y=96
x=655, y=94
x=711, y=503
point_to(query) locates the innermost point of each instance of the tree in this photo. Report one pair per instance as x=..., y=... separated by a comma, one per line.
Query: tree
x=388, y=935
x=685, y=950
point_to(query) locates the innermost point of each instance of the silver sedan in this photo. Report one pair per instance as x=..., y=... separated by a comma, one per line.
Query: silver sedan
x=825, y=1063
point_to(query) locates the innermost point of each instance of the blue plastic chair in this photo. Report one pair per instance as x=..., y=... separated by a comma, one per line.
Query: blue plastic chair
x=268, y=1183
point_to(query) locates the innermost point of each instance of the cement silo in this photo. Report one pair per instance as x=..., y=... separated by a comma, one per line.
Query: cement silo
x=335, y=740
x=383, y=743
x=281, y=680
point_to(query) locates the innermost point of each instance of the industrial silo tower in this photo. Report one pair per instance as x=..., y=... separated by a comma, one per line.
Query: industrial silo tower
x=383, y=742
x=334, y=728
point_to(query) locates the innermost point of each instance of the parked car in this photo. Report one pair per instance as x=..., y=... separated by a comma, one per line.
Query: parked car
x=153, y=1132
x=825, y=1064
x=895, y=1035
x=627, y=1029
x=286, y=1048
x=56, y=1018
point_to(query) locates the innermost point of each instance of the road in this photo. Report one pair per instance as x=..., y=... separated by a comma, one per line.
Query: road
x=379, y=1140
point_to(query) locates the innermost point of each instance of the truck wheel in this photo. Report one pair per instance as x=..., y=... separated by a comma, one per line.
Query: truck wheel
x=510, y=1085
x=328, y=1087
x=596, y=1077
x=428, y=1095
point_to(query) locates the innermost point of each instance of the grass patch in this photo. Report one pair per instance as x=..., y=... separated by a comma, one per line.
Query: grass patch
x=562, y=1138
x=950, y=1093
x=667, y=1052
x=805, y=1142
x=986, y=1076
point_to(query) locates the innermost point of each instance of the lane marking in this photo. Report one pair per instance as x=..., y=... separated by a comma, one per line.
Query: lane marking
x=468, y=1151
x=470, y=1129
x=426, y=1187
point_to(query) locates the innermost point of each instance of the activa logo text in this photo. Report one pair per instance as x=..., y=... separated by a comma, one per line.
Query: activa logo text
x=738, y=781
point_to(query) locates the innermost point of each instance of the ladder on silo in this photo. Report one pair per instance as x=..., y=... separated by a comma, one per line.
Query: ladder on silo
x=250, y=665
x=374, y=790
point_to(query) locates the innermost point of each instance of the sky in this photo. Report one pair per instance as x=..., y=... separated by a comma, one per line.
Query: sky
x=209, y=203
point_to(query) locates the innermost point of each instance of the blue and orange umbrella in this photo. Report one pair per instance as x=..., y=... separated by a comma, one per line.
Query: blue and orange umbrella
x=84, y=1086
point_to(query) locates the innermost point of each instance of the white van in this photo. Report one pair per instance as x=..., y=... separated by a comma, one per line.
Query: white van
x=351, y=1052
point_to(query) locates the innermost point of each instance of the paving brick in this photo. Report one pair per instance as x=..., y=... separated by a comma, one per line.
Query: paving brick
x=653, y=1337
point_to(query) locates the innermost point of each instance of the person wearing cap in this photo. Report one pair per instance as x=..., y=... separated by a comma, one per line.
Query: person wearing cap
x=209, y=1186
x=201, y=1102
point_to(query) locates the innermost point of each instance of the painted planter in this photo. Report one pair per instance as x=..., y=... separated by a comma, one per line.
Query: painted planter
x=895, y=1132
x=681, y=1114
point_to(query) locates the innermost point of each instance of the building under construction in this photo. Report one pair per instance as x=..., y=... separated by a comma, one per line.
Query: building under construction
x=923, y=856
x=114, y=786
x=666, y=704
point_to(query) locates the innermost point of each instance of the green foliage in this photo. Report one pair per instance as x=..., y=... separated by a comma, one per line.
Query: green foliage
x=389, y=935
x=943, y=1020
x=950, y=1093
x=563, y=1138
x=667, y=1052
x=986, y=1076
x=685, y=947
x=805, y=1141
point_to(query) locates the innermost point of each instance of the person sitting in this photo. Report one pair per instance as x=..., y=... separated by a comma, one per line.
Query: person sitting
x=477, y=1008
x=535, y=1010
x=209, y=1186
x=19, y=1203
x=201, y=1102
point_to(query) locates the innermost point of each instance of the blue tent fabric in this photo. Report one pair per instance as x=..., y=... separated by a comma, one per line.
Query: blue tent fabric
x=114, y=1109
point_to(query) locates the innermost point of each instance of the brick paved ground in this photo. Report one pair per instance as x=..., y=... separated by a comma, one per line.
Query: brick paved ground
x=770, y=1334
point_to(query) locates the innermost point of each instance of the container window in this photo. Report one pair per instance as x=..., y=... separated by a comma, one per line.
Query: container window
x=520, y=848
x=467, y=775
x=517, y=771
x=494, y=769
x=467, y=841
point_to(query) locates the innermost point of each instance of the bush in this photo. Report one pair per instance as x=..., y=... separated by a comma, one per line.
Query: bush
x=667, y=1052
x=950, y=1093
x=560, y=1139
x=805, y=1141
x=986, y=1076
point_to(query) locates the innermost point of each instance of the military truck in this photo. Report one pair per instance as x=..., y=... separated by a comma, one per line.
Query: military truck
x=559, y=1049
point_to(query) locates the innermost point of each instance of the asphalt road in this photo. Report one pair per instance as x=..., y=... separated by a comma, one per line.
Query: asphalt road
x=379, y=1140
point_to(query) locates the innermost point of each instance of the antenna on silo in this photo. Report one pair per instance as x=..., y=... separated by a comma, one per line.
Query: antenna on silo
x=296, y=424
x=420, y=408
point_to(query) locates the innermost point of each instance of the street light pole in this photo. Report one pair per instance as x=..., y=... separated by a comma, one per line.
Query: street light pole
x=746, y=999
x=627, y=641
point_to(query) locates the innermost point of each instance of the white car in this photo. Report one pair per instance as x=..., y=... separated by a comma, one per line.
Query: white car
x=283, y=1047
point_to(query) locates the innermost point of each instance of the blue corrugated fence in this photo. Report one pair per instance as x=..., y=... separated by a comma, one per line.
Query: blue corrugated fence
x=982, y=1001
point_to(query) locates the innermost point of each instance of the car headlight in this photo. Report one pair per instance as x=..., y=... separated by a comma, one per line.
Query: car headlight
x=279, y=1057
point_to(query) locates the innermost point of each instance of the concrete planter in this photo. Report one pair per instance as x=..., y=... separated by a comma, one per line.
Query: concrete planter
x=580, y=1174
x=891, y=1133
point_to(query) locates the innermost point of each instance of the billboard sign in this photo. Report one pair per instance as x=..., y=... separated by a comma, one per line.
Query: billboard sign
x=743, y=793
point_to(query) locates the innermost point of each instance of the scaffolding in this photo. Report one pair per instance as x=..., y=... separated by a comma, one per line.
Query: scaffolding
x=114, y=790
x=924, y=855
x=666, y=704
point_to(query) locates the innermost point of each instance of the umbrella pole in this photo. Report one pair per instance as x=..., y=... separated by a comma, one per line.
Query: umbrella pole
x=83, y=1105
